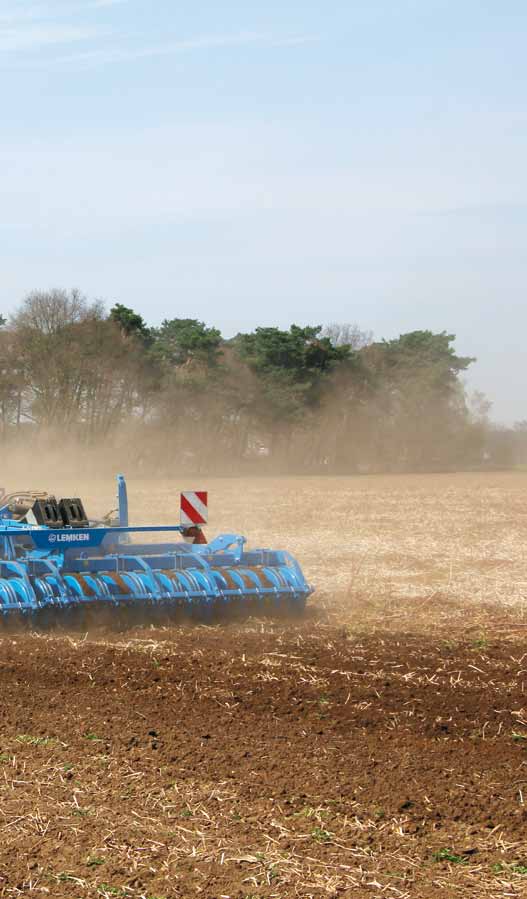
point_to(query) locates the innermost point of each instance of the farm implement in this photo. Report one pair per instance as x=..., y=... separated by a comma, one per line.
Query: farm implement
x=56, y=564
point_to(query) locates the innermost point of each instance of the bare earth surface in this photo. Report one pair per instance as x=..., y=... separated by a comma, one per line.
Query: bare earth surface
x=377, y=748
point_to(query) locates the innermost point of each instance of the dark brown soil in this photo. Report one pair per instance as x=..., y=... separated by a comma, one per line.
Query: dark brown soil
x=263, y=761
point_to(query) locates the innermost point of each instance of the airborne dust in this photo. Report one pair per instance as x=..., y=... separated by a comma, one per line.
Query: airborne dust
x=461, y=537
x=375, y=748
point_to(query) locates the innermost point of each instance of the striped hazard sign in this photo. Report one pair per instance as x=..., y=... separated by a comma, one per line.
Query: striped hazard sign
x=194, y=508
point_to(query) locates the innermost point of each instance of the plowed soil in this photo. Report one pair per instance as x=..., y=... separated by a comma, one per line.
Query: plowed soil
x=376, y=748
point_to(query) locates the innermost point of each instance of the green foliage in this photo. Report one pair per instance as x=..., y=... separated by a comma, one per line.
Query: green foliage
x=131, y=323
x=300, y=400
x=321, y=835
x=301, y=351
x=480, y=643
x=424, y=348
x=504, y=868
x=290, y=366
x=417, y=390
x=447, y=855
x=181, y=340
x=30, y=740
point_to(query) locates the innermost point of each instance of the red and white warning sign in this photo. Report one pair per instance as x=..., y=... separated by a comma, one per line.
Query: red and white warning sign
x=194, y=508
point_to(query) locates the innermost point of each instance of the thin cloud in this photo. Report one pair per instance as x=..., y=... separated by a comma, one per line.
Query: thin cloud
x=30, y=27
x=16, y=15
x=37, y=27
x=204, y=42
x=34, y=37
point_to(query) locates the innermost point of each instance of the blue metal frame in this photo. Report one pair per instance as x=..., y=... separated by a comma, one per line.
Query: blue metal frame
x=122, y=500
x=43, y=568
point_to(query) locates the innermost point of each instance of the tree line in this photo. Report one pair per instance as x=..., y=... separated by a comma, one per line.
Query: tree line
x=180, y=396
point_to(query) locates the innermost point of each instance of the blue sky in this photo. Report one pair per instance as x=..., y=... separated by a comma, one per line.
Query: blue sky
x=272, y=163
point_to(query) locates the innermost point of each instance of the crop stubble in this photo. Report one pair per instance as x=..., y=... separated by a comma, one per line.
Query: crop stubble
x=378, y=748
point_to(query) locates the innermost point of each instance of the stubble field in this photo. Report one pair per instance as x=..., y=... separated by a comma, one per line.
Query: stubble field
x=377, y=748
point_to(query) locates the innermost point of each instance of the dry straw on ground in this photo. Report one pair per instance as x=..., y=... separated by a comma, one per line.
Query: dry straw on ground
x=376, y=749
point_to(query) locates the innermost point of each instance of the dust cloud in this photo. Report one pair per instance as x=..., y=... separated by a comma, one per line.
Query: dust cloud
x=382, y=539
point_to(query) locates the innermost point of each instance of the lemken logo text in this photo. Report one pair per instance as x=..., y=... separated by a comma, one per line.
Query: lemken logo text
x=69, y=538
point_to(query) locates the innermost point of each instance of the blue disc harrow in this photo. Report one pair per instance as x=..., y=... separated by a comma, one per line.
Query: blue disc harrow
x=55, y=566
